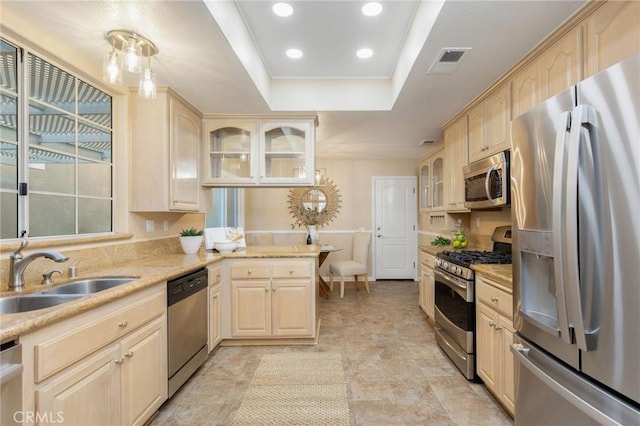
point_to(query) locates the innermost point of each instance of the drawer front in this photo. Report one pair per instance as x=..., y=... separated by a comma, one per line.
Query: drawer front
x=62, y=351
x=291, y=270
x=215, y=275
x=496, y=298
x=427, y=259
x=245, y=270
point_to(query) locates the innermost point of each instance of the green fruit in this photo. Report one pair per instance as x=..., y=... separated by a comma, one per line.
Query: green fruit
x=456, y=243
x=463, y=244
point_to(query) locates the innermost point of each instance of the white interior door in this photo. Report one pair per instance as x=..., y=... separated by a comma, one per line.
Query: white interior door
x=395, y=221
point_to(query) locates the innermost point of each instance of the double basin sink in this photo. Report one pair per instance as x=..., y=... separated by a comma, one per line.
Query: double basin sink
x=60, y=294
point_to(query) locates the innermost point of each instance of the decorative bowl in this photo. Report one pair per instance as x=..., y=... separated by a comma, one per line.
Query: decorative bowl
x=225, y=246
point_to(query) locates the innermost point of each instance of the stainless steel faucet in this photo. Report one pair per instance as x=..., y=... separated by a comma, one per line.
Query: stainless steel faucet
x=18, y=263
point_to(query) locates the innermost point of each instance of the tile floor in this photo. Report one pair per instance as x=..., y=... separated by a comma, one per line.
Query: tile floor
x=396, y=375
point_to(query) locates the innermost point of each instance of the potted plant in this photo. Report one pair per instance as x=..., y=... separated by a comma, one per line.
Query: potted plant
x=190, y=240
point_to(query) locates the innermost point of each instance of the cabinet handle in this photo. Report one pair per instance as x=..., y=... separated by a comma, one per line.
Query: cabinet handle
x=494, y=299
x=248, y=271
x=119, y=361
x=492, y=324
x=290, y=271
x=266, y=289
x=273, y=289
x=123, y=324
x=215, y=297
x=128, y=354
x=498, y=328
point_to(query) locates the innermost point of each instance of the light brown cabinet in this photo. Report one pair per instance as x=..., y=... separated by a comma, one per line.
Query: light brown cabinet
x=432, y=178
x=612, y=33
x=560, y=65
x=107, y=366
x=259, y=152
x=494, y=325
x=427, y=285
x=215, y=307
x=272, y=298
x=456, y=156
x=165, y=155
x=489, y=125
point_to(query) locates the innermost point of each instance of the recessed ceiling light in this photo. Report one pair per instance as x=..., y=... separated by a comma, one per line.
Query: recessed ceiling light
x=282, y=9
x=294, y=53
x=364, y=53
x=372, y=8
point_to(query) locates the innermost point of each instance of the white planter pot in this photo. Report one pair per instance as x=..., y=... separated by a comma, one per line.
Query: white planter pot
x=191, y=245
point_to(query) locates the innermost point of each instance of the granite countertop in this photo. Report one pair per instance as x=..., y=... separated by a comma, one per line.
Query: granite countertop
x=502, y=273
x=433, y=250
x=151, y=270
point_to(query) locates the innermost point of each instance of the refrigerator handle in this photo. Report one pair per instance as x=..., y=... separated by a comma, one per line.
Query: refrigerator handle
x=578, y=135
x=558, y=238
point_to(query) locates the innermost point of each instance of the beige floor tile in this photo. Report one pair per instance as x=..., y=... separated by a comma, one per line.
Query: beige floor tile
x=395, y=373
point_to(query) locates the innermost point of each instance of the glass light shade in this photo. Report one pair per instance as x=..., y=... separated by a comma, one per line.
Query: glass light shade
x=147, y=86
x=111, y=71
x=132, y=56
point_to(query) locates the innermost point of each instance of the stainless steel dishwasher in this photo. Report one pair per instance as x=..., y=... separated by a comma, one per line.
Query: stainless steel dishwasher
x=11, y=383
x=187, y=326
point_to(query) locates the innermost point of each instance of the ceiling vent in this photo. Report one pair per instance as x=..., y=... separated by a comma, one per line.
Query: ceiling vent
x=448, y=60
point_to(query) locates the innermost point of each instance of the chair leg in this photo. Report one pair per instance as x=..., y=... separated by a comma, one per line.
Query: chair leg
x=330, y=281
x=355, y=277
x=342, y=286
x=366, y=283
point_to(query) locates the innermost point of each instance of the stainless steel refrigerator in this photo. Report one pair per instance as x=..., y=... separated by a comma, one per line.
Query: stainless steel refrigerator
x=575, y=198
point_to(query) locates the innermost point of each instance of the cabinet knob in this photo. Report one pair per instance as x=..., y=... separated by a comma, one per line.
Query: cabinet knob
x=215, y=297
x=248, y=271
x=266, y=289
x=498, y=328
x=123, y=324
x=128, y=354
x=119, y=361
x=291, y=271
x=494, y=299
x=273, y=289
x=492, y=324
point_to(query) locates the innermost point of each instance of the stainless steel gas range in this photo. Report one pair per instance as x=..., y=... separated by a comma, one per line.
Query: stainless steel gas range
x=455, y=312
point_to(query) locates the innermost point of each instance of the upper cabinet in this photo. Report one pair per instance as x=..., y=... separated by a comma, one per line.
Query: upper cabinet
x=432, y=182
x=489, y=125
x=456, y=156
x=612, y=33
x=248, y=152
x=165, y=154
x=560, y=65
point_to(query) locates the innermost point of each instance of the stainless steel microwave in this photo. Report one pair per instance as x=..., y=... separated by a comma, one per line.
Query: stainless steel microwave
x=486, y=182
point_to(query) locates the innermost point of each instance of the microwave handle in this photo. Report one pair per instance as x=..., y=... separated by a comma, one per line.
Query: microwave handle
x=487, y=183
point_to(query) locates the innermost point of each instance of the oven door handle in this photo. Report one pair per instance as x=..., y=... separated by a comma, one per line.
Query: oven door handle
x=459, y=286
x=487, y=184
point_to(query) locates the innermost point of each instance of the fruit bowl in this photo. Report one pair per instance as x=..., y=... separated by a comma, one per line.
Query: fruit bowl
x=225, y=246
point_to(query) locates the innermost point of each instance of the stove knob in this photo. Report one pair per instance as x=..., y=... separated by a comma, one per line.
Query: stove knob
x=456, y=270
x=445, y=265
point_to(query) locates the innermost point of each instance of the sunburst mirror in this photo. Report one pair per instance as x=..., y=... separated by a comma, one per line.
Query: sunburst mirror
x=318, y=205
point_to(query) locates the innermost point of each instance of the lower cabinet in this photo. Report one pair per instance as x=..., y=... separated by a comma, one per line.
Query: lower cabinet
x=427, y=285
x=107, y=366
x=215, y=307
x=494, y=328
x=272, y=298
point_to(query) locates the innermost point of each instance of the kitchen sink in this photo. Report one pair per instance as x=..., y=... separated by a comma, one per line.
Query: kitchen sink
x=89, y=285
x=32, y=302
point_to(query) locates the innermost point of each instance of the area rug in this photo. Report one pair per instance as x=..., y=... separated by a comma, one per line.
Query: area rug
x=296, y=388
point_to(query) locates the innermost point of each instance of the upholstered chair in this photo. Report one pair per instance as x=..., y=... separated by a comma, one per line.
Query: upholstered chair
x=355, y=267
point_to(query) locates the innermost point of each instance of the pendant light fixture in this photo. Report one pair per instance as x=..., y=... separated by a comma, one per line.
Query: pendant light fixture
x=128, y=51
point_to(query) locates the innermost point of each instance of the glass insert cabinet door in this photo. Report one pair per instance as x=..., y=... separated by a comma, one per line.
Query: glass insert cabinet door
x=230, y=154
x=286, y=152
